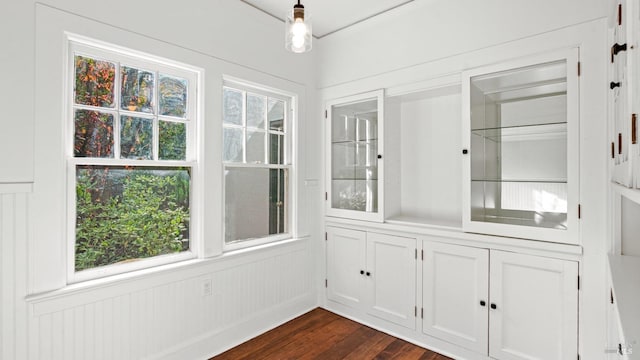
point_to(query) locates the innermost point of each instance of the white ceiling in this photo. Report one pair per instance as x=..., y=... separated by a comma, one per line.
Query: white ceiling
x=329, y=16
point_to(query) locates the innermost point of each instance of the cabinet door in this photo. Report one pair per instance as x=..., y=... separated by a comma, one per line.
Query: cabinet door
x=354, y=166
x=536, y=307
x=345, y=262
x=455, y=294
x=520, y=148
x=391, y=278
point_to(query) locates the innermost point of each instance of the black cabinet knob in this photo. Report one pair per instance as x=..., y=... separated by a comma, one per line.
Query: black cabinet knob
x=361, y=272
x=368, y=273
x=493, y=306
x=613, y=85
x=482, y=303
x=465, y=151
x=379, y=156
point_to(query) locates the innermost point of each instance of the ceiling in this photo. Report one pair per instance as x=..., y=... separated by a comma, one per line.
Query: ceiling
x=329, y=16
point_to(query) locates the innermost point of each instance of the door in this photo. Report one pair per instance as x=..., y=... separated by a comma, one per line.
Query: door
x=534, y=307
x=354, y=161
x=345, y=265
x=391, y=278
x=455, y=294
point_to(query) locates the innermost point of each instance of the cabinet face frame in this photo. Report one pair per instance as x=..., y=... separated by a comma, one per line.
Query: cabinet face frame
x=378, y=215
x=571, y=234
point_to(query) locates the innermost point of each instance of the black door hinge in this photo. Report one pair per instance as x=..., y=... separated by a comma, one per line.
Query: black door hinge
x=578, y=282
x=326, y=283
x=325, y=114
x=579, y=68
x=326, y=236
x=579, y=211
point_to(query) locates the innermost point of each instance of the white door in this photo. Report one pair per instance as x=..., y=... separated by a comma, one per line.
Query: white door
x=455, y=295
x=345, y=265
x=534, y=307
x=391, y=278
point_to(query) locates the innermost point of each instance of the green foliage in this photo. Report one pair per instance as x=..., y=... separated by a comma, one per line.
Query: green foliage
x=173, y=140
x=125, y=215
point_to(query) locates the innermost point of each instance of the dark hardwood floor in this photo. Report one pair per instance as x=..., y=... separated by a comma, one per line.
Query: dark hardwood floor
x=323, y=335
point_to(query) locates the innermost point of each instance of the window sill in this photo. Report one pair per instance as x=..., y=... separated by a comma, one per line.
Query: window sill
x=116, y=285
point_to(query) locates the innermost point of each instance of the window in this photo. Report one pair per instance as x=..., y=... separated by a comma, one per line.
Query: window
x=132, y=124
x=257, y=165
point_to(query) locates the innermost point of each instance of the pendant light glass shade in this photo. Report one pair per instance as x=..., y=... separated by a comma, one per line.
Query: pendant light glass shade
x=298, y=30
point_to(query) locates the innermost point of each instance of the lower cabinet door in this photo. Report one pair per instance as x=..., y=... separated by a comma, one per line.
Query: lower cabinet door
x=455, y=294
x=391, y=278
x=534, y=307
x=345, y=263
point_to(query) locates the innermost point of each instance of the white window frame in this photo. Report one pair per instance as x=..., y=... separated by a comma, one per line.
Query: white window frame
x=289, y=100
x=79, y=45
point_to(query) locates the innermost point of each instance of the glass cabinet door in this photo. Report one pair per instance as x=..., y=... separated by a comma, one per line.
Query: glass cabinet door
x=521, y=144
x=354, y=170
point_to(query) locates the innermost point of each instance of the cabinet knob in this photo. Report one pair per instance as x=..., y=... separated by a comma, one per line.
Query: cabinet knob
x=379, y=156
x=482, y=303
x=465, y=151
x=493, y=306
x=368, y=273
x=361, y=272
x=614, y=85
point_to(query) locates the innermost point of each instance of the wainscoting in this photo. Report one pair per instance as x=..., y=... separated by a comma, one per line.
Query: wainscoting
x=162, y=314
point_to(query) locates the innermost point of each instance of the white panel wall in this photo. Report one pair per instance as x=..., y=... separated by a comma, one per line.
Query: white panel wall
x=170, y=317
x=155, y=314
x=429, y=30
x=13, y=241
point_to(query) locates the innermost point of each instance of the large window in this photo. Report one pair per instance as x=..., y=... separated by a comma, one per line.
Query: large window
x=257, y=165
x=132, y=123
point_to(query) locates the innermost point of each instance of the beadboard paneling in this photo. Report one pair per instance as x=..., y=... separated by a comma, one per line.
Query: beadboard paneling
x=13, y=240
x=160, y=320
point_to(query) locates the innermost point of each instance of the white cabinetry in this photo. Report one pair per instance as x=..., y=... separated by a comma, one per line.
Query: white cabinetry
x=520, y=148
x=623, y=98
x=513, y=306
x=354, y=166
x=455, y=294
x=533, y=308
x=373, y=272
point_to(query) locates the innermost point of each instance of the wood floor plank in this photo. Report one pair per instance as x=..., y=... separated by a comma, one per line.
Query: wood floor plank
x=323, y=335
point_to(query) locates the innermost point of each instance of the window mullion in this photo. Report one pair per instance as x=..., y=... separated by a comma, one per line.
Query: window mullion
x=116, y=118
x=156, y=123
x=244, y=127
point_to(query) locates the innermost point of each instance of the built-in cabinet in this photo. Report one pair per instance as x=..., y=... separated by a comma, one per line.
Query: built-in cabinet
x=488, y=156
x=509, y=305
x=624, y=104
x=520, y=148
x=623, y=330
x=373, y=272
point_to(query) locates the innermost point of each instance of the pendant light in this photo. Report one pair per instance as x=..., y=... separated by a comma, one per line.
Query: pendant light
x=298, y=30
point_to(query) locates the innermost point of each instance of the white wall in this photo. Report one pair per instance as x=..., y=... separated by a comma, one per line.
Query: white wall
x=157, y=313
x=428, y=30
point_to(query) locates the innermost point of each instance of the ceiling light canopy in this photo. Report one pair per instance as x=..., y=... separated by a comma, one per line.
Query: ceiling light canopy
x=298, y=30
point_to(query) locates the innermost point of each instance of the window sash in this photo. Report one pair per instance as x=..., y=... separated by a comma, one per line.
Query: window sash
x=286, y=163
x=78, y=46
